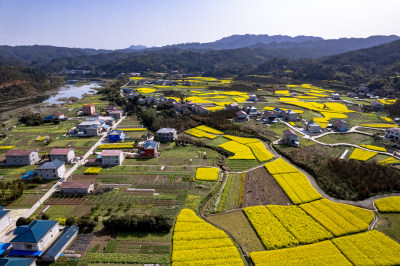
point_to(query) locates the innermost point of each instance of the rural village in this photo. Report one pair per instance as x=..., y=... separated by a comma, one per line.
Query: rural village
x=182, y=170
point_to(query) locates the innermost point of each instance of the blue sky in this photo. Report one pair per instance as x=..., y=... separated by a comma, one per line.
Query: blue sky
x=116, y=24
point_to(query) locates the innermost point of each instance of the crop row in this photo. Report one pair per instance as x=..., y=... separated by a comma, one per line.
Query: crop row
x=93, y=171
x=196, y=242
x=200, y=133
x=362, y=155
x=390, y=204
x=115, y=146
x=336, y=219
x=207, y=173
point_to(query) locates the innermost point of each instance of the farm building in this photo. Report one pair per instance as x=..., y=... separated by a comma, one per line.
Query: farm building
x=65, y=155
x=89, y=128
x=117, y=114
x=241, y=116
x=312, y=127
x=5, y=219
x=335, y=96
x=42, y=238
x=376, y=106
x=253, y=97
x=51, y=170
x=148, y=149
x=340, y=125
x=22, y=157
x=89, y=109
x=393, y=134
x=251, y=111
x=15, y=261
x=116, y=135
x=290, y=138
x=77, y=187
x=112, y=157
x=288, y=115
x=167, y=134
x=232, y=106
x=58, y=115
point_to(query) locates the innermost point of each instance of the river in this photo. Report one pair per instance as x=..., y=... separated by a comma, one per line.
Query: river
x=71, y=90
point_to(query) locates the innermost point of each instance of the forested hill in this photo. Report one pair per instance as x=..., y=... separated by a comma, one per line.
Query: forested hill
x=39, y=54
x=377, y=66
x=19, y=82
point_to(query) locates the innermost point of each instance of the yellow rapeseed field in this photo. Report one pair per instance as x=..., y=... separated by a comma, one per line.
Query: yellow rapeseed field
x=375, y=148
x=362, y=155
x=196, y=242
x=241, y=151
x=390, y=204
x=207, y=173
x=369, y=248
x=200, y=133
x=378, y=125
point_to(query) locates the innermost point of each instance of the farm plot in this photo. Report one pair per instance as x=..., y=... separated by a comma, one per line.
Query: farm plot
x=322, y=253
x=369, y=248
x=335, y=218
x=196, y=242
x=262, y=189
x=390, y=204
x=238, y=226
x=231, y=194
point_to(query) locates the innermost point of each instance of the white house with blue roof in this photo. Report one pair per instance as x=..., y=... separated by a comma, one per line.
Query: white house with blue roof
x=33, y=239
x=5, y=219
x=51, y=170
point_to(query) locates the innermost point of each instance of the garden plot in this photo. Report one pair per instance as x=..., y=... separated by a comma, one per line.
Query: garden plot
x=262, y=189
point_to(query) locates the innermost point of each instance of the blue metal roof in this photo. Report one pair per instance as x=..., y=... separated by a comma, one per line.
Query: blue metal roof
x=4, y=247
x=33, y=232
x=150, y=144
x=9, y=261
x=32, y=253
x=51, y=165
x=59, y=244
x=28, y=174
x=3, y=212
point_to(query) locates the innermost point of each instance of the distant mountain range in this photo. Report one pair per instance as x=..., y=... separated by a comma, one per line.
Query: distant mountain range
x=268, y=42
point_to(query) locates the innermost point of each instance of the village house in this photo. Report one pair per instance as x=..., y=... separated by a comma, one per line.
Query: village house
x=65, y=155
x=312, y=127
x=126, y=90
x=22, y=157
x=200, y=110
x=269, y=117
x=5, y=219
x=232, y=106
x=241, y=116
x=251, y=111
x=253, y=98
x=51, y=170
x=335, y=96
x=290, y=138
x=340, y=125
x=15, y=261
x=108, y=120
x=116, y=135
x=89, y=109
x=89, y=128
x=58, y=115
x=376, y=106
x=148, y=149
x=393, y=134
x=42, y=238
x=77, y=187
x=117, y=114
x=167, y=134
x=112, y=157
x=288, y=115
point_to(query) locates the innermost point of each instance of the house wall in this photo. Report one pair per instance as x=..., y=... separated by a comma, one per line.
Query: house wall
x=5, y=222
x=171, y=136
x=292, y=117
x=92, y=131
x=52, y=174
x=49, y=237
x=112, y=160
x=67, y=158
x=26, y=246
x=23, y=160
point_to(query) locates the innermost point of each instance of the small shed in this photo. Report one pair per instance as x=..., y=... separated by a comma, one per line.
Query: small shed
x=77, y=187
x=340, y=125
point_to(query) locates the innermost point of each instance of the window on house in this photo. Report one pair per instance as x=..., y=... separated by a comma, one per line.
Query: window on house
x=29, y=246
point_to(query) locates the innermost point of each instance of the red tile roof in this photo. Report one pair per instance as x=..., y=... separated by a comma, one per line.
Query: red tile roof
x=57, y=151
x=18, y=152
x=289, y=132
x=111, y=153
x=85, y=185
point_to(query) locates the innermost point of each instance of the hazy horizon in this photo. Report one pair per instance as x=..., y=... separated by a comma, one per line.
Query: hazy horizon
x=122, y=23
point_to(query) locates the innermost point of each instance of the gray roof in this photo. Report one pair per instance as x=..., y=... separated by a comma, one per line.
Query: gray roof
x=51, y=165
x=166, y=130
x=89, y=123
